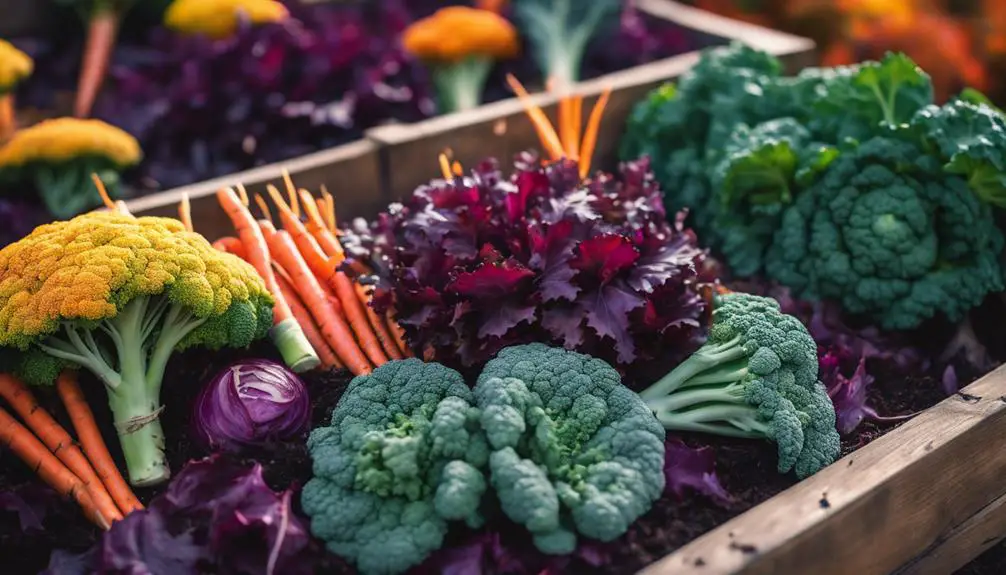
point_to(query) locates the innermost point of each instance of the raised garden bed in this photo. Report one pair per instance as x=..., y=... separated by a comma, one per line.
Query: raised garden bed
x=407, y=153
x=894, y=503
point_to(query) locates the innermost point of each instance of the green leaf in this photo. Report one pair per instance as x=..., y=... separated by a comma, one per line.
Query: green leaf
x=971, y=141
x=858, y=99
x=760, y=164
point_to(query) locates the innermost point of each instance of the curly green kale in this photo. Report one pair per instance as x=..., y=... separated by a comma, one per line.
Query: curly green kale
x=573, y=450
x=755, y=377
x=680, y=124
x=890, y=233
x=402, y=456
x=761, y=171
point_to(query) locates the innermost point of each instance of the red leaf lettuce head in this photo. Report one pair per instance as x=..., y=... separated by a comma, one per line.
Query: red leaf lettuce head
x=488, y=260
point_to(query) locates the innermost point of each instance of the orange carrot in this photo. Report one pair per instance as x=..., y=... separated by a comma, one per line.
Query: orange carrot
x=546, y=133
x=319, y=229
x=185, y=212
x=112, y=206
x=327, y=270
x=286, y=333
x=58, y=441
x=590, y=134
x=93, y=444
x=26, y=446
x=232, y=245
x=102, y=29
x=377, y=323
x=329, y=202
x=307, y=323
x=380, y=328
x=398, y=334
x=332, y=326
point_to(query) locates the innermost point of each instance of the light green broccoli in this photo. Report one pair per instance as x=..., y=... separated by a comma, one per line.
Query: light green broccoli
x=402, y=456
x=573, y=450
x=755, y=377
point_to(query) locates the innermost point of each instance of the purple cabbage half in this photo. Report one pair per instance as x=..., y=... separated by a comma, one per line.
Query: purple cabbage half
x=249, y=403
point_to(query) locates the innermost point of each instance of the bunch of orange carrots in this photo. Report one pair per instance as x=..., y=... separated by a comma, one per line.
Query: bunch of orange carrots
x=300, y=262
x=89, y=475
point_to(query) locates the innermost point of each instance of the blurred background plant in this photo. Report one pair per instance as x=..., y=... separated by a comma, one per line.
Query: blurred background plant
x=958, y=42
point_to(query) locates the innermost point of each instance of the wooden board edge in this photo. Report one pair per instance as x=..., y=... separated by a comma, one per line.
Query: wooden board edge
x=875, y=509
x=268, y=173
x=773, y=41
x=963, y=543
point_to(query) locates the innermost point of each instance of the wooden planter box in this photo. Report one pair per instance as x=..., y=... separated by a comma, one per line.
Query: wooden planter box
x=501, y=129
x=924, y=499
x=393, y=160
x=351, y=171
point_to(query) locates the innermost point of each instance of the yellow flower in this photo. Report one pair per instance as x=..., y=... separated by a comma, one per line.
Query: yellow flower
x=15, y=66
x=67, y=139
x=218, y=19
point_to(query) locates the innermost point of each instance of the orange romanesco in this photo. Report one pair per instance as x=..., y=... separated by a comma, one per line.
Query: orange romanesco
x=460, y=45
x=117, y=295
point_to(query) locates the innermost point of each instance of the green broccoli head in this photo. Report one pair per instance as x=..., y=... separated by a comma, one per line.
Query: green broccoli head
x=891, y=235
x=402, y=456
x=573, y=450
x=755, y=377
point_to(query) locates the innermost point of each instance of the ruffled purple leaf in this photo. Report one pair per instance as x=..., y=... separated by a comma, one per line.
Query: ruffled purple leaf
x=214, y=514
x=692, y=468
x=604, y=257
x=478, y=263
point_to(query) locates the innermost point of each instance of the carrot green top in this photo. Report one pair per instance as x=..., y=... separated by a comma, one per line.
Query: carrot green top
x=15, y=66
x=66, y=139
x=457, y=32
x=218, y=19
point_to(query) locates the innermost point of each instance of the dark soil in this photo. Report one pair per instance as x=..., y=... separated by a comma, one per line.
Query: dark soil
x=746, y=469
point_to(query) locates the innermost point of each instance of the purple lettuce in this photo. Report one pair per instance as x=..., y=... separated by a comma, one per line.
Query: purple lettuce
x=479, y=263
x=692, y=468
x=849, y=394
x=203, y=108
x=215, y=514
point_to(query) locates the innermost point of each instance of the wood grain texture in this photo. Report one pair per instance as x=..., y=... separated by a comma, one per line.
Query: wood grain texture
x=921, y=489
x=963, y=543
x=501, y=129
x=351, y=172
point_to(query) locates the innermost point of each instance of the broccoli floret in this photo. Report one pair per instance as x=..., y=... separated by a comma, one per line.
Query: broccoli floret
x=573, y=450
x=118, y=295
x=403, y=455
x=755, y=377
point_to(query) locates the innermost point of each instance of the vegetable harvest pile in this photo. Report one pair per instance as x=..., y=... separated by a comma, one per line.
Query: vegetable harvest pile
x=529, y=366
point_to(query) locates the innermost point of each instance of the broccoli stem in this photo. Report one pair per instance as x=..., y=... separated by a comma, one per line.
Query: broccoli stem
x=742, y=421
x=297, y=352
x=698, y=369
x=460, y=84
x=143, y=337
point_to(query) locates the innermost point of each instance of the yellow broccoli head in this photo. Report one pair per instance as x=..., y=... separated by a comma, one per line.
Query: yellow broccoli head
x=89, y=268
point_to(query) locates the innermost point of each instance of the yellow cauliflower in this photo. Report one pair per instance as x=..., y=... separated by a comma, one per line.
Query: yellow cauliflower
x=218, y=19
x=60, y=155
x=15, y=66
x=117, y=295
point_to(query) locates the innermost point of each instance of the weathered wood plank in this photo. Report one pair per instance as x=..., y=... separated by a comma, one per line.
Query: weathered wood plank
x=351, y=172
x=963, y=543
x=879, y=507
x=501, y=129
